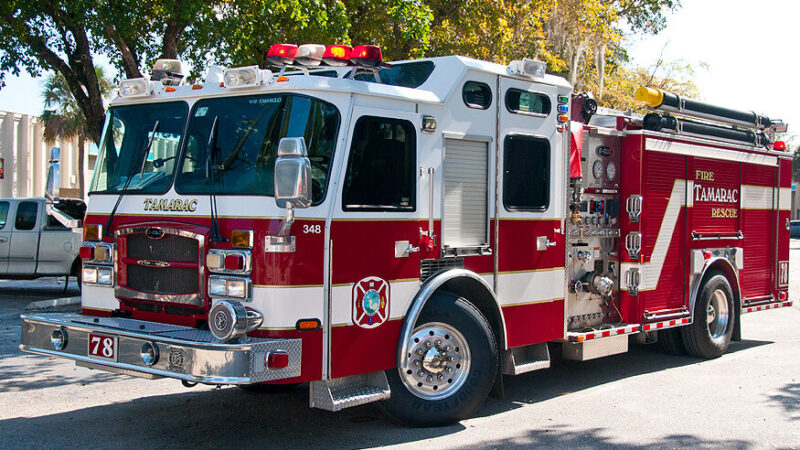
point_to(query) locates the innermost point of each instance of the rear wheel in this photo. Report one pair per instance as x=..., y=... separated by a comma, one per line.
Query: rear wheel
x=710, y=333
x=451, y=365
x=671, y=341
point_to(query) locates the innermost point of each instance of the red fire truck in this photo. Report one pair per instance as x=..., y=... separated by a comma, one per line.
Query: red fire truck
x=409, y=233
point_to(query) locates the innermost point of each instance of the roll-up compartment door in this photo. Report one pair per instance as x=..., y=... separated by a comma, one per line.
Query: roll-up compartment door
x=465, y=220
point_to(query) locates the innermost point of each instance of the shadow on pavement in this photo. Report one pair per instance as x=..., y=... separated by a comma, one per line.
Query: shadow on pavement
x=789, y=400
x=233, y=418
x=239, y=418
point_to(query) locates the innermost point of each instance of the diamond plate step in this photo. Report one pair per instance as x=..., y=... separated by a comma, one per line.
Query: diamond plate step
x=340, y=393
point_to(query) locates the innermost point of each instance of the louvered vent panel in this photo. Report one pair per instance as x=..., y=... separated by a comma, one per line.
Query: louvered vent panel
x=465, y=193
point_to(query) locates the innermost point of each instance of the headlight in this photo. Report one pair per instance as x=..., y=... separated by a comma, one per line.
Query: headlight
x=134, y=87
x=89, y=275
x=217, y=287
x=104, y=276
x=237, y=288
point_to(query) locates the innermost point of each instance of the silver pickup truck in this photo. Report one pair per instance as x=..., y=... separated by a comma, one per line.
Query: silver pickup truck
x=34, y=242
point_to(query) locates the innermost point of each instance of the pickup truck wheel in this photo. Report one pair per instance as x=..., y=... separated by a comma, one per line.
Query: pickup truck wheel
x=710, y=333
x=451, y=365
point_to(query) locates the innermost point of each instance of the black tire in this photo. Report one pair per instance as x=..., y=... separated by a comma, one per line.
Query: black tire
x=671, y=341
x=710, y=333
x=469, y=388
x=261, y=388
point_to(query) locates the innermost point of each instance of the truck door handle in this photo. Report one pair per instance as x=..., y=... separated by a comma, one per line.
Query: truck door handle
x=3, y=239
x=542, y=243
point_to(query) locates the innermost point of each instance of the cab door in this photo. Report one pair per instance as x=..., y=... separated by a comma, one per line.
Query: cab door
x=25, y=239
x=531, y=211
x=375, y=239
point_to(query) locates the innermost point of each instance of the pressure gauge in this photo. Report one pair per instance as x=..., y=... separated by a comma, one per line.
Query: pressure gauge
x=597, y=169
x=611, y=171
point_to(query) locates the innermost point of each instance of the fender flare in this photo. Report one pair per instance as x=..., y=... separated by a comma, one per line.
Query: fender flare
x=732, y=274
x=428, y=289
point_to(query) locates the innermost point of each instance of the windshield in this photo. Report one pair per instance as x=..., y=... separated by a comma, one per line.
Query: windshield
x=129, y=130
x=241, y=156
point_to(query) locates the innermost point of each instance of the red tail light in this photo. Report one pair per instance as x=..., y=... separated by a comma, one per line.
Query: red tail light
x=367, y=55
x=782, y=295
x=282, y=54
x=86, y=252
x=337, y=55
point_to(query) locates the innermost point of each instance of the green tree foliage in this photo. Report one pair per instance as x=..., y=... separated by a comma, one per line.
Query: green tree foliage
x=66, y=120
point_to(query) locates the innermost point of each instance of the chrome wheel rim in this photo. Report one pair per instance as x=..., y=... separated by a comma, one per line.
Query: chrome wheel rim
x=717, y=315
x=438, y=361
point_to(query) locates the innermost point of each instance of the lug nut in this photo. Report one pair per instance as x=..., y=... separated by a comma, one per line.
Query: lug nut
x=420, y=374
x=447, y=348
x=429, y=379
x=451, y=358
x=438, y=343
x=427, y=344
x=417, y=362
x=448, y=369
x=419, y=351
x=440, y=377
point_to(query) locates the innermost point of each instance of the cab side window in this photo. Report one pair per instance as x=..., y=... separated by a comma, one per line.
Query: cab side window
x=26, y=216
x=3, y=214
x=526, y=173
x=381, y=169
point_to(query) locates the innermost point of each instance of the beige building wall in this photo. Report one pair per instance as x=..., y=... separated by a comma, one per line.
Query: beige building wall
x=25, y=156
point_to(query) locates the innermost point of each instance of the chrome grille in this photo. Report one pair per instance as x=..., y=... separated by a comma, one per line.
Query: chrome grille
x=430, y=267
x=162, y=280
x=170, y=247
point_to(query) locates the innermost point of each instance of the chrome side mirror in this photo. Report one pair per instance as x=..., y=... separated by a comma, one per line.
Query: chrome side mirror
x=53, y=181
x=292, y=174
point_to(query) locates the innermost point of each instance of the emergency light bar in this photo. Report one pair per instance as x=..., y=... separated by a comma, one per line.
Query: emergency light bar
x=313, y=55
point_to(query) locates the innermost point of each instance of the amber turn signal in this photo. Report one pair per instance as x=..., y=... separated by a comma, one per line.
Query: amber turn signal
x=308, y=325
x=242, y=239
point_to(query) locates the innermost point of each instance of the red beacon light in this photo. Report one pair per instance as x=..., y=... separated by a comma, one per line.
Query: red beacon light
x=367, y=56
x=779, y=145
x=337, y=55
x=282, y=54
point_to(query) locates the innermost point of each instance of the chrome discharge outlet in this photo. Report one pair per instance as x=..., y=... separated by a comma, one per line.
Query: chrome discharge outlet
x=229, y=320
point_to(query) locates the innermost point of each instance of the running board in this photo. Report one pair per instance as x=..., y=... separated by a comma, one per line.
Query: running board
x=341, y=393
x=526, y=359
x=626, y=329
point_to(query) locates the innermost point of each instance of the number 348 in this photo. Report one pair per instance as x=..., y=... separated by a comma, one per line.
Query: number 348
x=312, y=229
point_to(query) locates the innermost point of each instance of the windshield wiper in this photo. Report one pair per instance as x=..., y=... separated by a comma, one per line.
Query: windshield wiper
x=107, y=230
x=211, y=151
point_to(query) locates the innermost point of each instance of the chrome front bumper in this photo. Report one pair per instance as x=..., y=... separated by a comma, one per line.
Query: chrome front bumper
x=184, y=353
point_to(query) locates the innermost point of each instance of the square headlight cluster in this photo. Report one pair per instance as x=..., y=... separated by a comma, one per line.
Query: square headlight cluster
x=102, y=276
x=234, y=287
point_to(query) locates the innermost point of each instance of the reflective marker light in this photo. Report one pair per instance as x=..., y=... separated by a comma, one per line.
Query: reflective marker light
x=337, y=55
x=149, y=354
x=310, y=55
x=282, y=54
x=563, y=109
x=59, y=338
x=134, y=87
x=102, y=253
x=277, y=360
x=563, y=99
x=92, y=232
x=242, y=239
x=563, y=119
x=367, y=56
x=308, y=324
x=89, y=275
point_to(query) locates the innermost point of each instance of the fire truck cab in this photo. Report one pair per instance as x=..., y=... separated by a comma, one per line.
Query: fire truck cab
x=410, y=233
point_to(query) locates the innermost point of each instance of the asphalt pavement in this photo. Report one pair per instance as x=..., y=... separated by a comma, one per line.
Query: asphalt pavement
x=749, y=398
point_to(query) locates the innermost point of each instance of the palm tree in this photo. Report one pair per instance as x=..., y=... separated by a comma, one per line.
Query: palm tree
x=64, y=119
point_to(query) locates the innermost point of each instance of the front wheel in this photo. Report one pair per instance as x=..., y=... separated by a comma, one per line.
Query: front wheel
x=450, y=367
x=710, y=333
